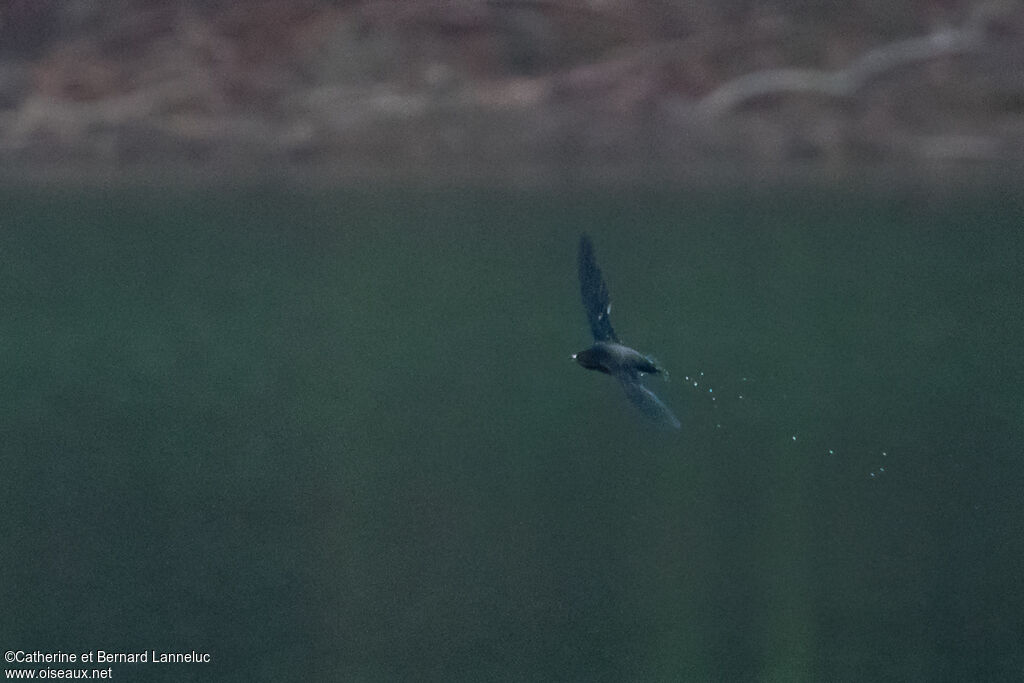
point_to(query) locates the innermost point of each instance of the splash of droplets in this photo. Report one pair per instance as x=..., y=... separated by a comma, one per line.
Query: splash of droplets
x=739, y=397
x=880, y=471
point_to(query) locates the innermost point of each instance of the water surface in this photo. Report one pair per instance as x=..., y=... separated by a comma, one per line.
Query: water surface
x=338, y=435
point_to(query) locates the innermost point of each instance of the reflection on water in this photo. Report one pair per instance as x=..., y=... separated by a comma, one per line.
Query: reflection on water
x=336, y=434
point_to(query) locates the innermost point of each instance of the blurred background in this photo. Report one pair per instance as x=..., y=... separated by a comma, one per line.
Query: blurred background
x=289, y=295
x=525, y=91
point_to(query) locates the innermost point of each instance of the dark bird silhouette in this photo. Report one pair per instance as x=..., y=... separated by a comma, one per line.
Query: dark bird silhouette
x=608, y=355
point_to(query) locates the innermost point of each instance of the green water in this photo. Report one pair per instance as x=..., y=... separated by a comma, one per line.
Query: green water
x=337, y=435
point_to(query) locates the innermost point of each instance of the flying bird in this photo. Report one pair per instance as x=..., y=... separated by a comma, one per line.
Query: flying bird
x=608, y=355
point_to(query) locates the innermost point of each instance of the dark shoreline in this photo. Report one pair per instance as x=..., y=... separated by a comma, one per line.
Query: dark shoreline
x=768, y=178
x=526, y=94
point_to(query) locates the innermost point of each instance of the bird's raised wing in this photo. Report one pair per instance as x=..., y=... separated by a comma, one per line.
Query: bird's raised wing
x=649, y=404
x=596, y=301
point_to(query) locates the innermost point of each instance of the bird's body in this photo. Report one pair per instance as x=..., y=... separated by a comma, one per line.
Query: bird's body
x=608, y=355
x=613, y=359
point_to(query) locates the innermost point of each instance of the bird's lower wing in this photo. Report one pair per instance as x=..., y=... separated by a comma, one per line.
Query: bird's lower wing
x=649, y=404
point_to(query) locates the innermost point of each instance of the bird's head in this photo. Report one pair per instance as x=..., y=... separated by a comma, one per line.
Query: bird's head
x=590, y=359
